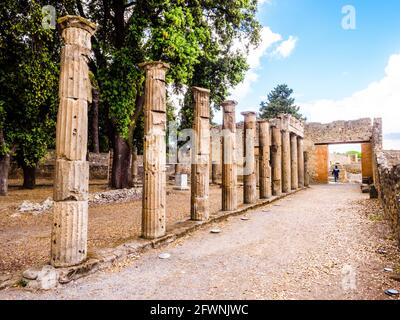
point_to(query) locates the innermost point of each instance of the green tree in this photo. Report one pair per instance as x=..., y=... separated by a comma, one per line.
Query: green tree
x=28, y=86
x=280, y=101
x=182, y=33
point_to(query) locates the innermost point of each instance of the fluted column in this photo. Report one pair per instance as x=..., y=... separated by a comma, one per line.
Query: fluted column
x=264, y=164
x=306, y=171
x=300, y=161
x=134, y=166
x=276, y=161
x=286, y=163
x=229, y=157
x=249, y=169
x=154, y=154
x=201, y=156
x=71, y=183
x=294, y=171
x=216, y=158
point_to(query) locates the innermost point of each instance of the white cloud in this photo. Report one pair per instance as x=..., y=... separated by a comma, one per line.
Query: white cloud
x=286, y=48
x=380, y=99
x=261, y=2
x=269, y=39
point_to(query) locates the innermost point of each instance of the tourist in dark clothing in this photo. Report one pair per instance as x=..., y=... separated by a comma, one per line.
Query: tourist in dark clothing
x=335, y=173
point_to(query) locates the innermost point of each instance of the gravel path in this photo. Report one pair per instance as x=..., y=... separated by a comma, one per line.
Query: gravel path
x=316, y=244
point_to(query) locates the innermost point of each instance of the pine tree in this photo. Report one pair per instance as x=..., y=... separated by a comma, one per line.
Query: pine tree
x=280, y=101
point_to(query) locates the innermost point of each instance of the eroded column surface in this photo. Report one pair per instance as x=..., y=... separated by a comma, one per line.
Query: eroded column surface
x=135, y=166
x=264, y=163
x=286, y=162
x=276, y=161
x=216, y=169
x=201, y=156
x=294, y=171
x=300, y=161
x=249, y=169
x=154, y=154
x=229, y=157
x=71, y=183
x=306, y=170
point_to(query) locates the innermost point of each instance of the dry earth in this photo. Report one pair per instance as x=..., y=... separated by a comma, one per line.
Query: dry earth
x=322, y=243
x=25, y=238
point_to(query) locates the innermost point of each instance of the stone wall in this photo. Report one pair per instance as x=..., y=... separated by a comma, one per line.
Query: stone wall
x=388, y=186
x=98, y=167
x=337, y=132
x=392, y=157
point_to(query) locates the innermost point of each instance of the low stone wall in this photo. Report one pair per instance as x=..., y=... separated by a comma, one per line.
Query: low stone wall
x=98, y=167
x=388, y=185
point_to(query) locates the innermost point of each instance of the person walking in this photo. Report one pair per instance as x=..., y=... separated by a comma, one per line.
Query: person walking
x=335, y=173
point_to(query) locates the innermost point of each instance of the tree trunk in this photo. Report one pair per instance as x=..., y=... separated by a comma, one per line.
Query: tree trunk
x=95, y=121
x=121, y=160
x=29, y=177
x=4, y=168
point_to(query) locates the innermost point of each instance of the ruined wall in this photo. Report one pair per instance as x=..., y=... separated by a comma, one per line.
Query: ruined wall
x=392, y=157
x=389, y=188
x=338, y=132
x=386, y=167
x=98, y=167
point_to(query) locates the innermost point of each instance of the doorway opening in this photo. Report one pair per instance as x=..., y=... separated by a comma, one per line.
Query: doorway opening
x=348, y=159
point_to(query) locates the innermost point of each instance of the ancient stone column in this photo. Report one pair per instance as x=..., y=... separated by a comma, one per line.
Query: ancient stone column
x=154, y=154
x=276, y=161
x=216, y=158
x=249, y=169
x=201, y=156
x=286, y=162
x=134, y=166
x=71, y=183
x=229, y=157
x=306, y=170
x=264, y=164
x=294, y=171
x=300, y=161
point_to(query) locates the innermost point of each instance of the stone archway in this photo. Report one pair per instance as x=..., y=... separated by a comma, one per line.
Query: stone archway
x=319, y=136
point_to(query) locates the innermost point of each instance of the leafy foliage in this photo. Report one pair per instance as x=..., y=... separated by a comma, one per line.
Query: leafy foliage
x=28, y=81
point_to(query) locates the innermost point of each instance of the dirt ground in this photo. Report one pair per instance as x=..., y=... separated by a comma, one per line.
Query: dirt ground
x=25, y=238
x=328, y=242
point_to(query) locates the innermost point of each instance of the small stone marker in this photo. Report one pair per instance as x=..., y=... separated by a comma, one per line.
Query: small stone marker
x=245, y=218
x=388, y=270
x=164, y=255
x=381, y=251
x=216, y=230
x=267, y=211
x=392, y=292
x=181, y=182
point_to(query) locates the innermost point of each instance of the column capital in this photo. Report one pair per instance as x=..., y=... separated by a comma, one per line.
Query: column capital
x=70, y=21
x=249, y=115
x=154, y=65
x=199, y=89
x=229, y=105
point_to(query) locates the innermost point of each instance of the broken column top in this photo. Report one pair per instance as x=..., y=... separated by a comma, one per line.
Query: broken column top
x=229, y=105
x=201, y=89
x=76, y=22
x=154, y=65
x=249, y=115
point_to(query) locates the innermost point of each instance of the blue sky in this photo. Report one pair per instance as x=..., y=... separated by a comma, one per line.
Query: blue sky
x=336, y=74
